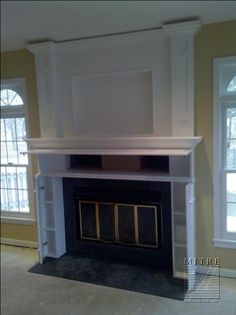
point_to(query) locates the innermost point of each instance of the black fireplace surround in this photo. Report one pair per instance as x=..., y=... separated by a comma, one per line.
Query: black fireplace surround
x=119, y=191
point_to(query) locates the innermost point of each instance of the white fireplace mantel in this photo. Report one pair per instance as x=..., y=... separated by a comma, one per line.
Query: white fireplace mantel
x=138, y=145
x=55, y=167
x=130, y=94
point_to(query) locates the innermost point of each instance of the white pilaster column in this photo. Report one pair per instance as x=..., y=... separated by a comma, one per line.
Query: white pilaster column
x=49, y=112
x=182, y=75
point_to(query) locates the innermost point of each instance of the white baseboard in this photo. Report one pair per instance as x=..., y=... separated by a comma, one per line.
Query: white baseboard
x=22, y=243
x=229, y=273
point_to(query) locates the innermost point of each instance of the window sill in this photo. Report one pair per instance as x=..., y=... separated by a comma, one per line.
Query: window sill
x=23, y=221
x=224, y=243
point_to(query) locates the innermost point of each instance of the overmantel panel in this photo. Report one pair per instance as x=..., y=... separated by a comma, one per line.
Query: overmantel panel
x=115, y=57
x=167, y=53
x=115, y=102
x=117, y=62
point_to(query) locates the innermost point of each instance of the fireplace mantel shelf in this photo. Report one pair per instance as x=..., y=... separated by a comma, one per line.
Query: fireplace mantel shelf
x=144, y=145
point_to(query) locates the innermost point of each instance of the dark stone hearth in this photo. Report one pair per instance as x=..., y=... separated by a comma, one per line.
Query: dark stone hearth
x=113, y=274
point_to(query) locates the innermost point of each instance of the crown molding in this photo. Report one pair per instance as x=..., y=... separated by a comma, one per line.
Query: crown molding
x=182, y=28
x=41, y=47
x=131, y=38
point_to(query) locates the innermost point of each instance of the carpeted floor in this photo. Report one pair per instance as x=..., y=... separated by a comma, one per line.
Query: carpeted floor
x=113, y=274
x=23, y=292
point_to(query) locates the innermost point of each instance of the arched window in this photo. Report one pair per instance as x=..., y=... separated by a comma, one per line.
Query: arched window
x=14, y=165
x=10, y=97
x=232, y=85
x=225, y=152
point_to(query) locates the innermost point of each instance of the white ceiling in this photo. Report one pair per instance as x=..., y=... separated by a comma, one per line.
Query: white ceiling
x=25, y=21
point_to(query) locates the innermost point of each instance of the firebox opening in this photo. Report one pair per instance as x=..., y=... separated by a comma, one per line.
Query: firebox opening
x=119, y=223
x=126, y=221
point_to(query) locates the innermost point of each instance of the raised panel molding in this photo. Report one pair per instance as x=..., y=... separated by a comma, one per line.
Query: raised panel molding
x=126, y=97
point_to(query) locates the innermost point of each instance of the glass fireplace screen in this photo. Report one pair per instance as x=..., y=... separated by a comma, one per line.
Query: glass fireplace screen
x=120, y=223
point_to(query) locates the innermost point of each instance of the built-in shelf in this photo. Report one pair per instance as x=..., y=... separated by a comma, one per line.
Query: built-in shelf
x=48, y=202
x=122, y=175
x=49, y=229
x=180, y=212
x=50, y=217
x=156, y=160
x=160, y=152
x=181, y=275
x=180, y=244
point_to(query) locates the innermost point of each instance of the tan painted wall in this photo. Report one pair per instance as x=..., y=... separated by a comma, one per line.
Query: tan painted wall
x=213, y=40
x=21, y=64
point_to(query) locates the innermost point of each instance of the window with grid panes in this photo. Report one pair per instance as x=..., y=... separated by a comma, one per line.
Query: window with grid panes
x=225, y=152
x=14, y=164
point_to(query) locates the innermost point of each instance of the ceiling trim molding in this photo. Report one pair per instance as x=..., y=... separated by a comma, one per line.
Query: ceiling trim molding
x=132, y=38
x=41, y=47
x=182, y=28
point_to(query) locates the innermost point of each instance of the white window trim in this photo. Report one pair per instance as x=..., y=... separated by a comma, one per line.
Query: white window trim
x=14, y=217
x=222, y=238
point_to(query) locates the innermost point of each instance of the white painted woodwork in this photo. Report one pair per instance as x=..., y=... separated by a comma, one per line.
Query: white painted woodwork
x=46, y=74
x=117, y=102
x=182, y=75
x=81, y=65
x=118, y=84
x=165, y=152
x=179, y=165
x=183, y=231
x=51, y=225
x=53, y=162
x=224, y=71
x=103, y=143
x=130, y=94
x=191, y=234
x=120, y=175
x=55, y=167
